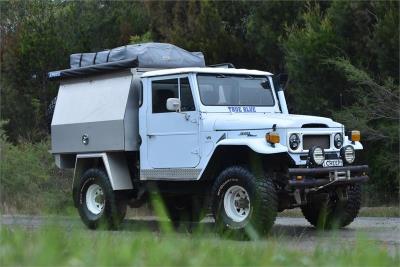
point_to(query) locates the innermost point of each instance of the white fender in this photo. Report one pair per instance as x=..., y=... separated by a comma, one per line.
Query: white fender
x=258, y=145
x=114, y=163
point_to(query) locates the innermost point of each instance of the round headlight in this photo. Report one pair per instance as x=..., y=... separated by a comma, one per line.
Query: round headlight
x=294, y=141
x=338, y=140
x=348, y=154
x=317, y=155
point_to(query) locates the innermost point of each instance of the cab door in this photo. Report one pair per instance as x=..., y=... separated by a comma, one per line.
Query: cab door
x=172, y=137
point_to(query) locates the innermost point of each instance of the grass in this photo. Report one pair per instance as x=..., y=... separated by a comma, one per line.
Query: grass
x=56, y=247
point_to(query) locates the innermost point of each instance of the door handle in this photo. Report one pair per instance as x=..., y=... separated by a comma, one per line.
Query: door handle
x=190, y=118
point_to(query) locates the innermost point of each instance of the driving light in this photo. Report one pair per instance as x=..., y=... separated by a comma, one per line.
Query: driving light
x=355, y=136
x=272, y=138
x=338, y=140
x=294, y=141
x=348, y=154
x=317, y=155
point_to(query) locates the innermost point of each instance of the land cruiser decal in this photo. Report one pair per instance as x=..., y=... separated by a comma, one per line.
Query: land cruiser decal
x=242, y=109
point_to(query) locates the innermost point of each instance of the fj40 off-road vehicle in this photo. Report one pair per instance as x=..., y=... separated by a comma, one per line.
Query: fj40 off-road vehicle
x=153, y=117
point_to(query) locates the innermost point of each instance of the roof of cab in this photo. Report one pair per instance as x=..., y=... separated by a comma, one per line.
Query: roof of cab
x=204, y=70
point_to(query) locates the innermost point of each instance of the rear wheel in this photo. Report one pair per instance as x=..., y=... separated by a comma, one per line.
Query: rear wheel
x=243, y=206
x=329, y=211
x=97, y=203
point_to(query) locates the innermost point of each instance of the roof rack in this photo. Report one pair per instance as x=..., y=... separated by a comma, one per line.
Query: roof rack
x=223, y=65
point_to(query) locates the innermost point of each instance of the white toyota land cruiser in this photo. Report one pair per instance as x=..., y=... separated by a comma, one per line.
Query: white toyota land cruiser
x=205, y=138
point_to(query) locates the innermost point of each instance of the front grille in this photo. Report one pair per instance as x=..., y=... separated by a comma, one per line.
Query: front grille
x=327, y=156
x=316, y=140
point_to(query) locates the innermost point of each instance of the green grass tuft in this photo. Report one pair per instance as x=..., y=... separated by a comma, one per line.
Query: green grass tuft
x=55, y=247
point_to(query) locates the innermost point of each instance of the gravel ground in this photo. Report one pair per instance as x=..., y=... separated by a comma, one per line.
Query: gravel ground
x=293, y=232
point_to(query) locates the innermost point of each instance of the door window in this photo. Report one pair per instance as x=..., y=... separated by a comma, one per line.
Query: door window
x=172, y=88
x=161, y=91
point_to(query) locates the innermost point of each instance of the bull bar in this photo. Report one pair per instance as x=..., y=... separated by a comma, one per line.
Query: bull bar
x=332, y=176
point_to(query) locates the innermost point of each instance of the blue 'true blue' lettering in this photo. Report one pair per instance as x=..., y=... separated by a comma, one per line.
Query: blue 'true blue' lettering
x=242, y=109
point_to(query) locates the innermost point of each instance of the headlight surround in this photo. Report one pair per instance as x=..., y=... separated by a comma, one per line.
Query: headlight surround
x=317, y=155
x=294, y=141
x=348, y=154
x=338, y=140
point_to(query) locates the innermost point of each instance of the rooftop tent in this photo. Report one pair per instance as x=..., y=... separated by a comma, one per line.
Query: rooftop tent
x=146, y=55
x=149, y=55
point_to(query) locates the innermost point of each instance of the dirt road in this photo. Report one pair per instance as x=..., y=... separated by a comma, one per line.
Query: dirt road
x=294, y=232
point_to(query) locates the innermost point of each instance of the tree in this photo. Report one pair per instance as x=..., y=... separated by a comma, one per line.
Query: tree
x=314, y=87
x=376, y=114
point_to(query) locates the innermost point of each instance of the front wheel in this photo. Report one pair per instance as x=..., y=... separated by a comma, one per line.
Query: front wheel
x=243, y=206
x=332, y=212
x=97, y=203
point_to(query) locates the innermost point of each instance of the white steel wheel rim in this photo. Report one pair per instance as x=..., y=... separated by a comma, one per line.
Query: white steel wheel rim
x=95, y=199
x=237, y=203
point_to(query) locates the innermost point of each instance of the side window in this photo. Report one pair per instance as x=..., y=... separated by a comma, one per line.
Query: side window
x=161, y=91
x=187, y=103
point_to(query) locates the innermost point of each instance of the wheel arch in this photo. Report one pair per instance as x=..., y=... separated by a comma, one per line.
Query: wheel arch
x=115, y=165
x=244, y=155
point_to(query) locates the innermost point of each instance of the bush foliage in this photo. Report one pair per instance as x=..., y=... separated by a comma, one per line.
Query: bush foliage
x=30, y=181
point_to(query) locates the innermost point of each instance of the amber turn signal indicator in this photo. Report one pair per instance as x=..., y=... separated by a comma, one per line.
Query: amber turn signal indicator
x=355, y=136
x=272, y=137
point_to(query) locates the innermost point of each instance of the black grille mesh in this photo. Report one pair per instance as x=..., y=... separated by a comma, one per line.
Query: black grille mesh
x=316, y=140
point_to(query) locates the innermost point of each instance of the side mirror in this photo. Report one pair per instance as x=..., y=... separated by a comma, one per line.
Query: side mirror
x=173, y=104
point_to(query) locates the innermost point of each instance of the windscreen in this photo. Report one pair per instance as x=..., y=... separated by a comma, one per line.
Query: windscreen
x=234, y=90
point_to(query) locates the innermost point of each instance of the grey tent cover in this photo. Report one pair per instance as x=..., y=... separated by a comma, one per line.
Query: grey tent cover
x=148, y=55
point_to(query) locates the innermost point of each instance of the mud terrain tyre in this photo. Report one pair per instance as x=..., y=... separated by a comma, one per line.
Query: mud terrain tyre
x=98, y=205
x=243, y=206
x=330, y=213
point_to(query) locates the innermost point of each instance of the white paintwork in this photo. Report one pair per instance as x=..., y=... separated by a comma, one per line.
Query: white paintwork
x=258, y=145
x=282, y=101
x=172, y=138
x=177, y=71
x=182, y=143
x=266, y=121
x=175, y=142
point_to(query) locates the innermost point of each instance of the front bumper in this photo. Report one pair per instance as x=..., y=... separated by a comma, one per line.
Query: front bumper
x=332, y=176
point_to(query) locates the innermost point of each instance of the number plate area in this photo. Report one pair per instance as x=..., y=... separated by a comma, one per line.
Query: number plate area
x=339, y=175
x=333, y=163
